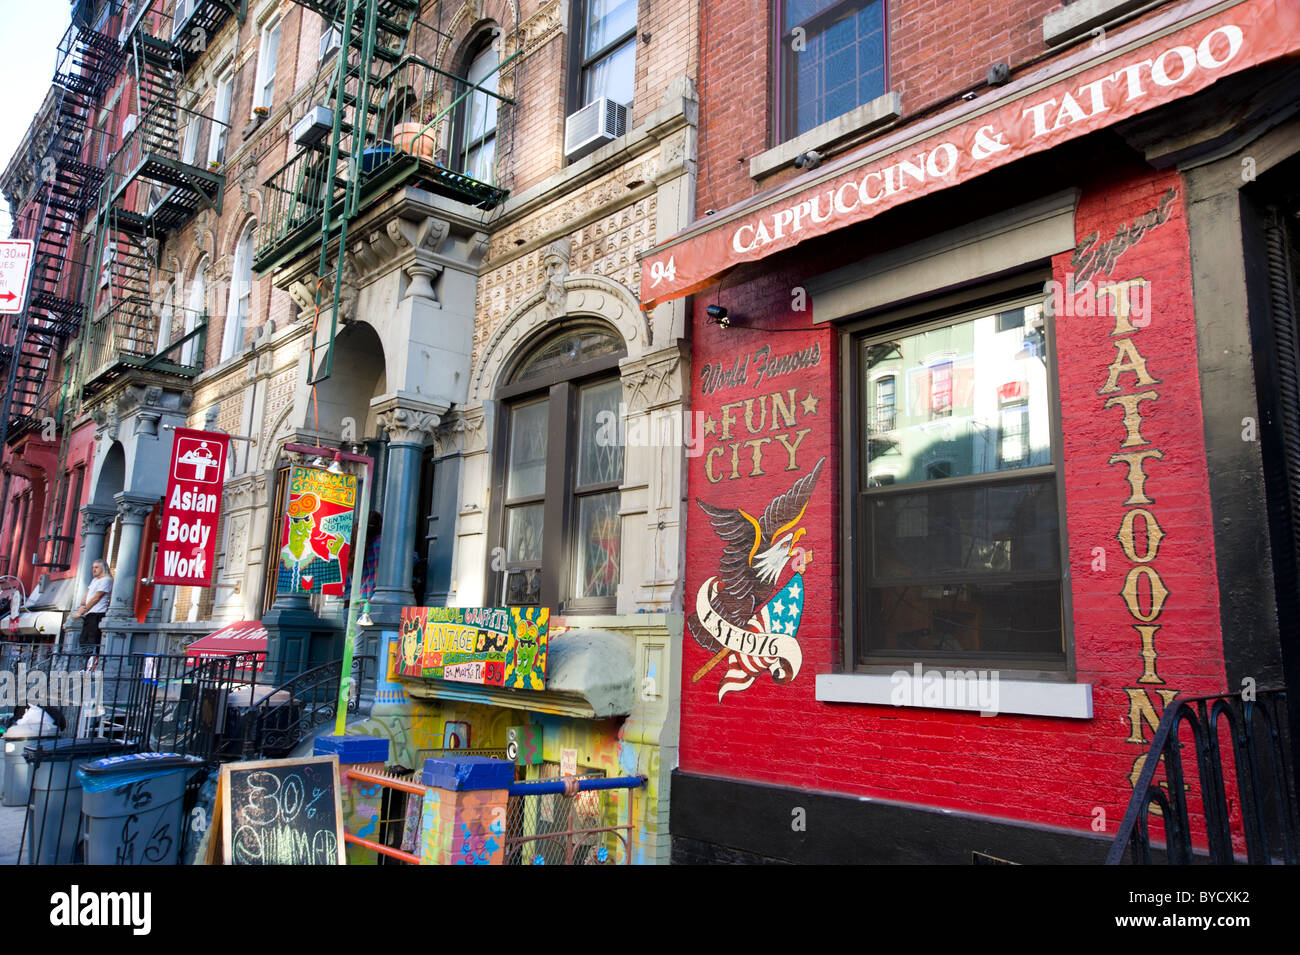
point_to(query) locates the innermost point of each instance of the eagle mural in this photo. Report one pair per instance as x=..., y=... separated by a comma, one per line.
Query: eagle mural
x=749, y=612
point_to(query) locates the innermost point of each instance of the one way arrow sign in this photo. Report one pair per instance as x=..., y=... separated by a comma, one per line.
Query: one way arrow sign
x=15, y=271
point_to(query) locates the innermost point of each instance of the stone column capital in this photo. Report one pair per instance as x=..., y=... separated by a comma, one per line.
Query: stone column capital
x=407, y=421
x=96, y=519
x=134, y=508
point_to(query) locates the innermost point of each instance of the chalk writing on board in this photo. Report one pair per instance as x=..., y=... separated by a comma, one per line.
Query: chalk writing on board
x=283, y=812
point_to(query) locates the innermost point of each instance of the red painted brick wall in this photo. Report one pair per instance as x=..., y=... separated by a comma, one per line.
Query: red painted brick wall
x=1046, y=770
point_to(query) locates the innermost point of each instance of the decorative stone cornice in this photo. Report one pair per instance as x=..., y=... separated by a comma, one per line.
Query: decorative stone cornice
x=654, y=381
x=461, y=432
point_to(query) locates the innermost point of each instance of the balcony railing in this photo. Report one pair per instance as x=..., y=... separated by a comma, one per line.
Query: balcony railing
x=154, y=179
x=408, y=114
x=126, y=338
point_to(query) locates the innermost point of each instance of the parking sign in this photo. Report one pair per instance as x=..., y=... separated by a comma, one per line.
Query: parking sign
x=15, y=270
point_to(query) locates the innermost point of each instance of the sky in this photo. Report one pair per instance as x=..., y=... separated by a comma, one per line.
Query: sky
x=32, y=30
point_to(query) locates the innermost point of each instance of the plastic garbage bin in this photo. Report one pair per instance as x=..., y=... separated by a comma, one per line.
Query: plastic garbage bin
x=35, y=725
x=54, y=812
x=133, y=808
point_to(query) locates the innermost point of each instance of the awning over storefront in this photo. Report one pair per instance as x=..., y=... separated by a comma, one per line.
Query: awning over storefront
x=244, y=636
x=1116, y=78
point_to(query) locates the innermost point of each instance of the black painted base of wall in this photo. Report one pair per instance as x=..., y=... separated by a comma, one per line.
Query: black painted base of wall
x=724, y=821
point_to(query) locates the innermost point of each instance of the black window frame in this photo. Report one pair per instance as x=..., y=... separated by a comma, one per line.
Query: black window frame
x=461, y=145
x=561, y=388
x=785, y=98
x=580, y=64
x=894, y=323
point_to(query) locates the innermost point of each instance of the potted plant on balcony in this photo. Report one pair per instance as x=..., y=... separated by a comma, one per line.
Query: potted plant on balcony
x=260, y=112
x=213, y=165
x=416, y=138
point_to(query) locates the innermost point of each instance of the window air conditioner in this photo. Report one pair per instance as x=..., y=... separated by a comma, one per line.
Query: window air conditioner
x=315, y=125
x=330, y=42
x=599, y=122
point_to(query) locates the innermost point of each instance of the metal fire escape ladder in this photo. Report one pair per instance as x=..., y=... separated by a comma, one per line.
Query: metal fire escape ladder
x=371, y=30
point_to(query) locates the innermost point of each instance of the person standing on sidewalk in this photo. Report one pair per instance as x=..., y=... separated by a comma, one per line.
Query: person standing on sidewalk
x=96, y=603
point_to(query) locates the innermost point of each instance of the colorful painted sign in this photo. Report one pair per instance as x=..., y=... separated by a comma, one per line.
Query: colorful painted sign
x=749, y=612
x=1095, y=91
x=316, y=539
x=492, y=646
x=192, y=508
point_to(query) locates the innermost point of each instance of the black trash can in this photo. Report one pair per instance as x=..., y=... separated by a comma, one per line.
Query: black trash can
x=133, y=808
x=54, y=811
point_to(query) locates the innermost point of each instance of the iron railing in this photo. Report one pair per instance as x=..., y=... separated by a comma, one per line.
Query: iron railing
x=584, y=820
x=1241, y=803
x=407, y=113
x=214, y=708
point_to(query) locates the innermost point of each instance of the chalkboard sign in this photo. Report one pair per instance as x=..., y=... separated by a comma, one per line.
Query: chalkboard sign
x=282, y=812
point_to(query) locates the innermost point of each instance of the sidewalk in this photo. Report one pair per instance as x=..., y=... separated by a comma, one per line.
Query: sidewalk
x=11, y=831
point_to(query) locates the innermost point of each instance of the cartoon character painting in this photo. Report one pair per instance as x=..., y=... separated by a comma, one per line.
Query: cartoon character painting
x=309, y=557
x=749, y=612
x=317, y=532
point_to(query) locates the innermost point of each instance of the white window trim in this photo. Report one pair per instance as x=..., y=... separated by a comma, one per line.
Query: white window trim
x=902, y=688
x=260, y=96
x=840, y=133
x=231, y=340
x=226, y=78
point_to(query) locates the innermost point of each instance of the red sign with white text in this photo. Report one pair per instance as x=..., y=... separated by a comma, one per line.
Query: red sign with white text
x=192, y=509
x=972, y=139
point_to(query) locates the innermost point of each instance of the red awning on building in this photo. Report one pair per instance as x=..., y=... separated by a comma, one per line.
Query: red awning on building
x=1171, y=56
x=243, y=636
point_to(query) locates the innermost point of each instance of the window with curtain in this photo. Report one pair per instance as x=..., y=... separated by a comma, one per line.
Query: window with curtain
x=559, y=464
x=476, y=131
x=241, y=295
x=606, y=51
x=830, y=60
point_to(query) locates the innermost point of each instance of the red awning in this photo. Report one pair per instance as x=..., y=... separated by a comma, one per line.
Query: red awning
x=244, y=636
x=1173, y=55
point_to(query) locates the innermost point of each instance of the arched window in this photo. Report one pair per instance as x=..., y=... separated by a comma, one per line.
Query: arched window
x=558, y=467
x=476, y=124
x=241, y=295
x=195, y=310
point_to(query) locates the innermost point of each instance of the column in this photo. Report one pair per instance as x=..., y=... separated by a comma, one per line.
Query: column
x=408, y=428
x=133, y=509
x=95, y=522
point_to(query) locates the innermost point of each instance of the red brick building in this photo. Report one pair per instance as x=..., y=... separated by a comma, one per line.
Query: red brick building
x=993, y=344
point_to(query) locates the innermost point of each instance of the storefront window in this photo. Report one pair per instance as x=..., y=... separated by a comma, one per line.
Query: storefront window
x=559, y=469
x=957, y=531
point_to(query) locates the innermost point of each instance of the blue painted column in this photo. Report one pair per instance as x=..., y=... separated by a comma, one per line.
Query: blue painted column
x=132, y=509
x=408, y=428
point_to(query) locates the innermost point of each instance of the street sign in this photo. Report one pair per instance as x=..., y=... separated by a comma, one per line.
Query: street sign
x=15, y=270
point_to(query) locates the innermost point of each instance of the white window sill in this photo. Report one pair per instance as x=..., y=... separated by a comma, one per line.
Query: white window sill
x=903, y=688
x=1082, y=17
x=879, y=111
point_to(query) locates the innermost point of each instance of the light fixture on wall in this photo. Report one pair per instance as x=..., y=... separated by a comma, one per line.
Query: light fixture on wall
x=364, y=620
x=336, y=466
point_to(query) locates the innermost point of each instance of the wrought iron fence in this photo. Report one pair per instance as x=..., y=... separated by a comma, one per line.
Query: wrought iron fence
x=585, y=820
x=215, y=708
x=1241, y=800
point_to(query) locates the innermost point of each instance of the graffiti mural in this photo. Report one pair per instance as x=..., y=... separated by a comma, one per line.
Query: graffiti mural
x=749, y=612
x=493, y=646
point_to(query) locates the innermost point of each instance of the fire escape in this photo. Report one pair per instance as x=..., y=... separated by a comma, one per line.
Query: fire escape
x=152, y=187
x=36, y=381
x=386, y=109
